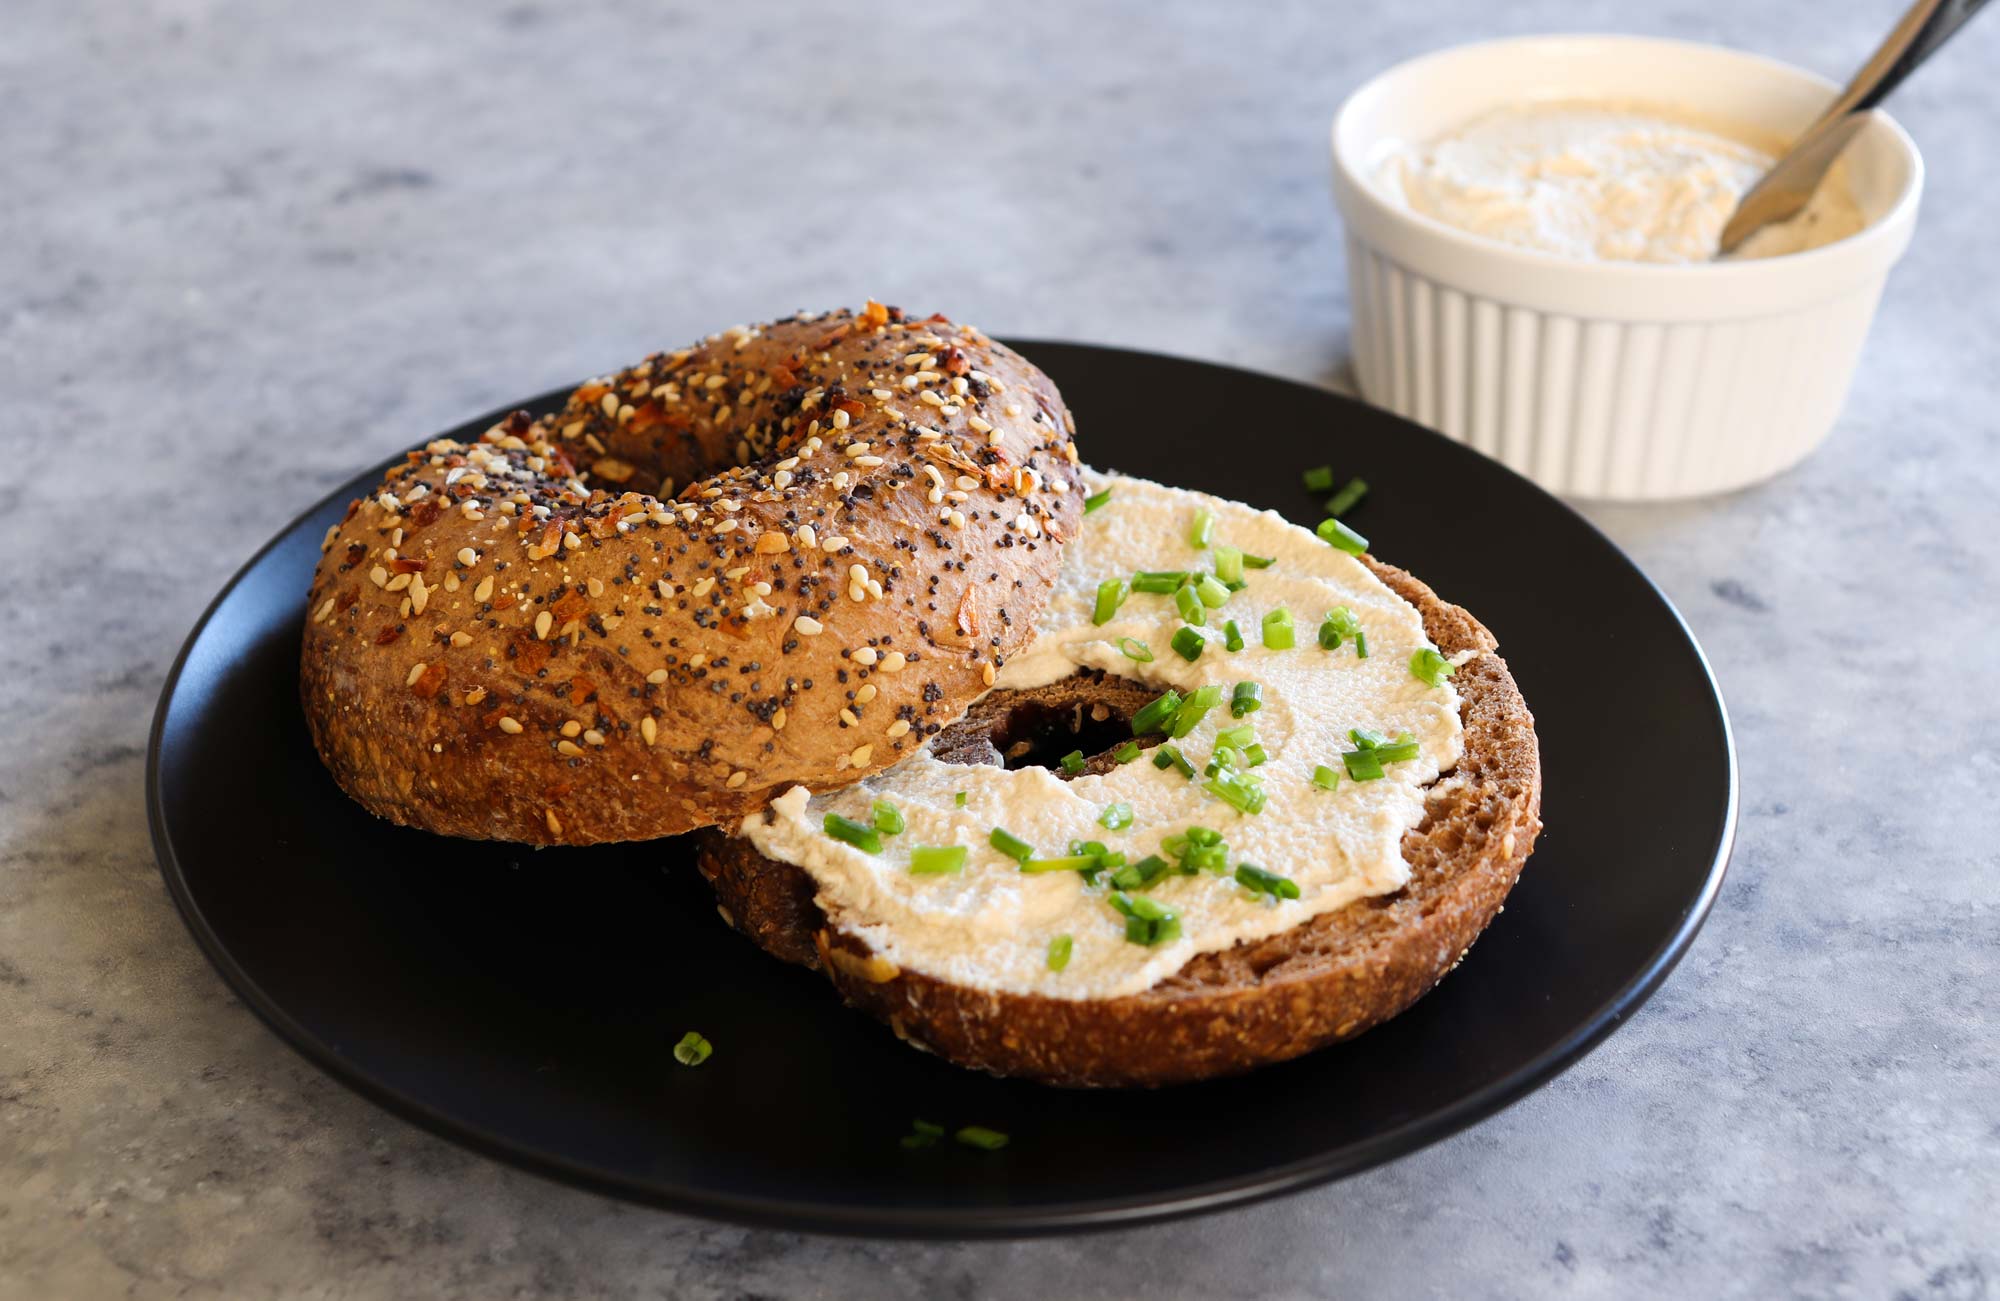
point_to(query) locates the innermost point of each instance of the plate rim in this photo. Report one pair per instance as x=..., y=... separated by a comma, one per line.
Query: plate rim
x=983, y=1222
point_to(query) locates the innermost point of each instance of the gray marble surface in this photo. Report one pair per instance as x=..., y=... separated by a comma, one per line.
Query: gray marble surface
x=247, y=248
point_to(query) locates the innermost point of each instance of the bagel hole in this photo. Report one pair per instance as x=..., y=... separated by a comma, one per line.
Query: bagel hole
x=1035, y=728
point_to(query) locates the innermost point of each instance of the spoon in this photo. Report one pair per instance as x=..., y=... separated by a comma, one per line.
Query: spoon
x=1786, y=189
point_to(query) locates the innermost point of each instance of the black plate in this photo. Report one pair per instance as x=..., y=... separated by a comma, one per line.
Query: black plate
x=525, y=1003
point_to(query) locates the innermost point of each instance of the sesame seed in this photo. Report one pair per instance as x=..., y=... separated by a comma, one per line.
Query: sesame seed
x=555, y=823
x=468, y=557
x=986, y=675
x=715, y=381
x=833, y=542
x=931, y=396
x=808, y=626
x=778, y=720
x=840, y=419
x=956, y=520
x=898, y=728
x=702, y=588
x=325, y=609
x=665, y=589
x=736, y=779
x=378, y=576
x=864, y=656
x=483, y=592
x=865, y=694
x=893, y=662
x=861, y=755
x=569, y=749
x=591, y=736
x=657, y=676
x=649, y=731
x=572, y=541
x=965, y=483
x=399, y=582
x=508, y=725
x=609, y=404
x=571, y=728
x=847, y=717
x=806, y=537
x=869, y=461
x=733, y=574
x=420, y=596
x=542, y=622
x=594, y=586
x=416, y=671
x=460, y=640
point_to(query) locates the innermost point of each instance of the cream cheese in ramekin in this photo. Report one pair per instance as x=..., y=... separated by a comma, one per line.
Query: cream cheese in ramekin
x=1605, y=182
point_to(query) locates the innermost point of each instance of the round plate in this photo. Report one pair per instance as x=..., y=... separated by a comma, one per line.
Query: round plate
x=526, y=1002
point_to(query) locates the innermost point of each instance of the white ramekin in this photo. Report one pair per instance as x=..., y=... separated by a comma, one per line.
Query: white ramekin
x=1621, y=381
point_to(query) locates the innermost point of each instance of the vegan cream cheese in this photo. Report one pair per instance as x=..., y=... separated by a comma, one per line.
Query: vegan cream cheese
x=1606, y=183
x=942, y=894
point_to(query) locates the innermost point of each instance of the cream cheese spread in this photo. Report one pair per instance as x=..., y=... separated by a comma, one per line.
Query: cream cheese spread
x=1606, y=183
x=990, y=925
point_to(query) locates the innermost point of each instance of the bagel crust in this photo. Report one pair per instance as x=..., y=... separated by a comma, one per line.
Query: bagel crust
x=531, y=638
x=1225, y=1012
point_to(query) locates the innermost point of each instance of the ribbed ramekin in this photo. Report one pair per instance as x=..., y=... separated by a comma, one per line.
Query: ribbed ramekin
x=1618, y=381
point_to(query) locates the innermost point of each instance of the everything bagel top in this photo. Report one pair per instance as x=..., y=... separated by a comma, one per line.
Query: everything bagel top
x=532, y=638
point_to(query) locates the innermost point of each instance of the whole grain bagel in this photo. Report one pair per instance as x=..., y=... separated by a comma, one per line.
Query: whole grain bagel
x=532, y=638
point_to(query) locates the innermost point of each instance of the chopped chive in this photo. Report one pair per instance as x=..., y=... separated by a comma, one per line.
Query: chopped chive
x=1246, y=698
x=936, y=860
x=1348, y=497
x=1146, y=922
x=1244, y=794
x=1064, y=863
x=1252, y=877
x=1096, y=499
x=1237, y=737
x=1159, y=582
x=1195, y=708
x=1278, y=630
x=1203, y=529
x=1362, y=765
x=1365, y=738
x=858, y=834
x=1319, y=478
x=1401, y=750
x=989, y=1140
x=1232, y=636
x=1011, y=845
x=922, y=1134
x=1059, y=951
x=1154, y=716
x=958, y=798
x=1072, y=763
x=1258, y=562
x=1340, y=624
x=1168, y=756
x=1228, y=563
x=1255, y=756
x=1189, y=644
x=1430, y=668
x=888, y=818
x=1135, y=650
x=1340, y=537
x=1139, y=875
x=1127, y=752
x=1190, y=606
x=1206, y=837
x=1326, y=778
x=692, y=1050
x=1116, y=816
x=1211, y=591
x=1111, y=594
x=1225, y=758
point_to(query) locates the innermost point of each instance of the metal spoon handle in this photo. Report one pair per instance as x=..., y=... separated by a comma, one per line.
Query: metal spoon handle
x=1786, y=189
x=1927, y=25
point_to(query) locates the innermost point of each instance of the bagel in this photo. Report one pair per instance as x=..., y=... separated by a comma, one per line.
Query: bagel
x=1394, y=885
x=533, y=638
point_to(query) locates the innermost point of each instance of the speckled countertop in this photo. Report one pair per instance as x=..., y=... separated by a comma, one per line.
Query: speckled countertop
x=245, y=249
